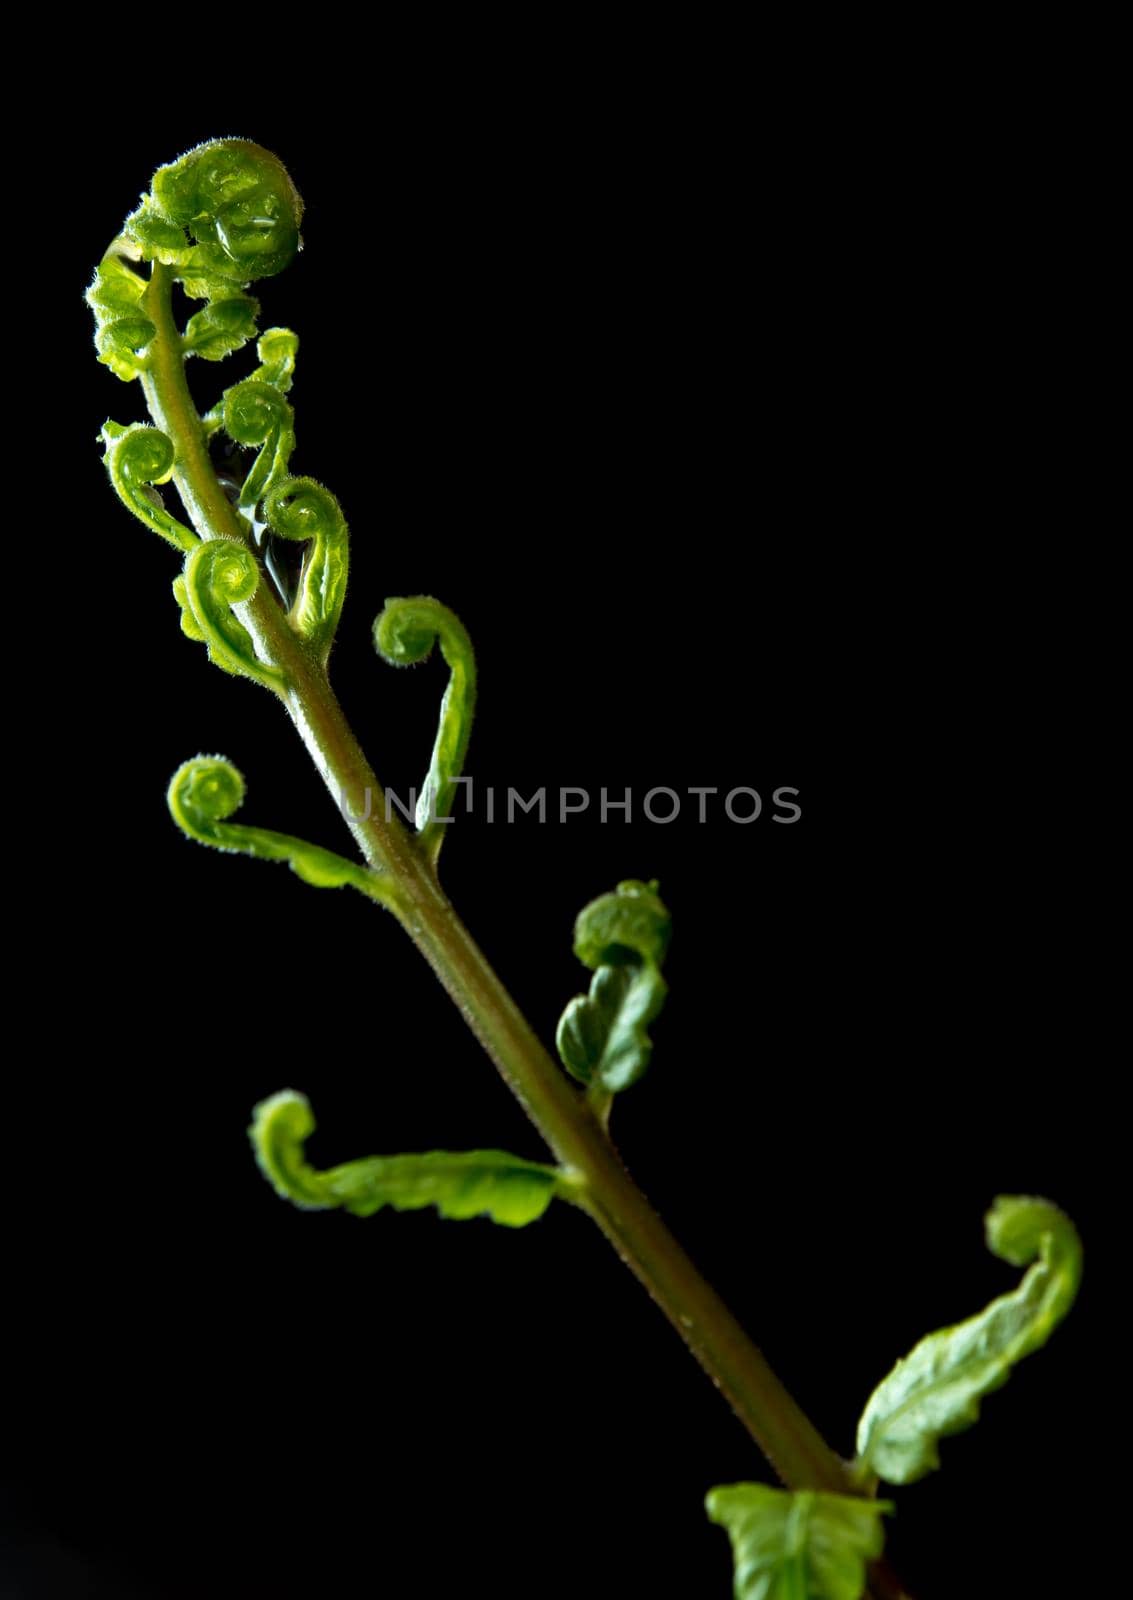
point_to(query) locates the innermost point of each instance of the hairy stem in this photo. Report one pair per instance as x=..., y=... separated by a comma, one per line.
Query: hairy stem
x=559, y=1111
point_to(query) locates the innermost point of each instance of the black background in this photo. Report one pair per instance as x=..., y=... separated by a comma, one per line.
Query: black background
x=722, y=454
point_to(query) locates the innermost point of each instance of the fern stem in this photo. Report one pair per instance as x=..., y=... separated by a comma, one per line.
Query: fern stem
x=559, y=1111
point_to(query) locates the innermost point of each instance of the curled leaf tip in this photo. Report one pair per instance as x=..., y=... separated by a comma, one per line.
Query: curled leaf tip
x=203, y=792
x=461, y=1184
x=936, y=1390
x=631, y=921
x=280, y=1127
x=602, y=1037
x=277, y=349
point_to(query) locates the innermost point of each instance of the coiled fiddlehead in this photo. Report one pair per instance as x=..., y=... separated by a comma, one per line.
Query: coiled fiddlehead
x=602, y=1038
x=301, y=509
x=208, y=790
x=256, y=414
x=217, y=576
x=227, y=209
x=404, y=633
x=277, y=349
x=137, y=458
x=223, y=215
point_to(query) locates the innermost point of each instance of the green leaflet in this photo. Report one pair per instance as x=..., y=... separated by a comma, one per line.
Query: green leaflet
x=208, y=790
x=803, y=1546
x=404, y=633
x=222, y=327
x=122, y=330
x=622, y=937
x=470, y=1183
x=936, y=1390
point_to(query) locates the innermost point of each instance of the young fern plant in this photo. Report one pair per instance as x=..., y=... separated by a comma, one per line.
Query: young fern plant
x=215, y=221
